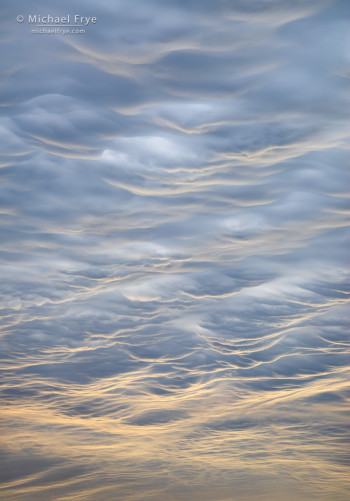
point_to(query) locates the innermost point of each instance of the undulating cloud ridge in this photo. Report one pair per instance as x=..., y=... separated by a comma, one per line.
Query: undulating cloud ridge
x=174, y=211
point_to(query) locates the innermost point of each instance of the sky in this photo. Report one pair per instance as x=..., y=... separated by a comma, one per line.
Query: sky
x=174, y=264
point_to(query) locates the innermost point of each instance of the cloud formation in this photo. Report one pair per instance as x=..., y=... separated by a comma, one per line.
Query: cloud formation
x=174, y=213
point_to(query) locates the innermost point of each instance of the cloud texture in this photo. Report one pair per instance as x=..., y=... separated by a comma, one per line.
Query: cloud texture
x=174, y=212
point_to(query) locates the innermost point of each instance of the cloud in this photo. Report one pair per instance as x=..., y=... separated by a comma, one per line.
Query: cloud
x=174, y=201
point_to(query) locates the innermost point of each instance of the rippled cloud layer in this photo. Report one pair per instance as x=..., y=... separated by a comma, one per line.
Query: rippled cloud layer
x=174, y=211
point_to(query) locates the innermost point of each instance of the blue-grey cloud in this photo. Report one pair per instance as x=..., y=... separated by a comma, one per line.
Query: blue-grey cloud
x=174, y=266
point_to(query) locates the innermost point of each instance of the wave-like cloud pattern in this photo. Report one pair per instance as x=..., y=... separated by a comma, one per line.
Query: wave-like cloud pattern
x=174, y=212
